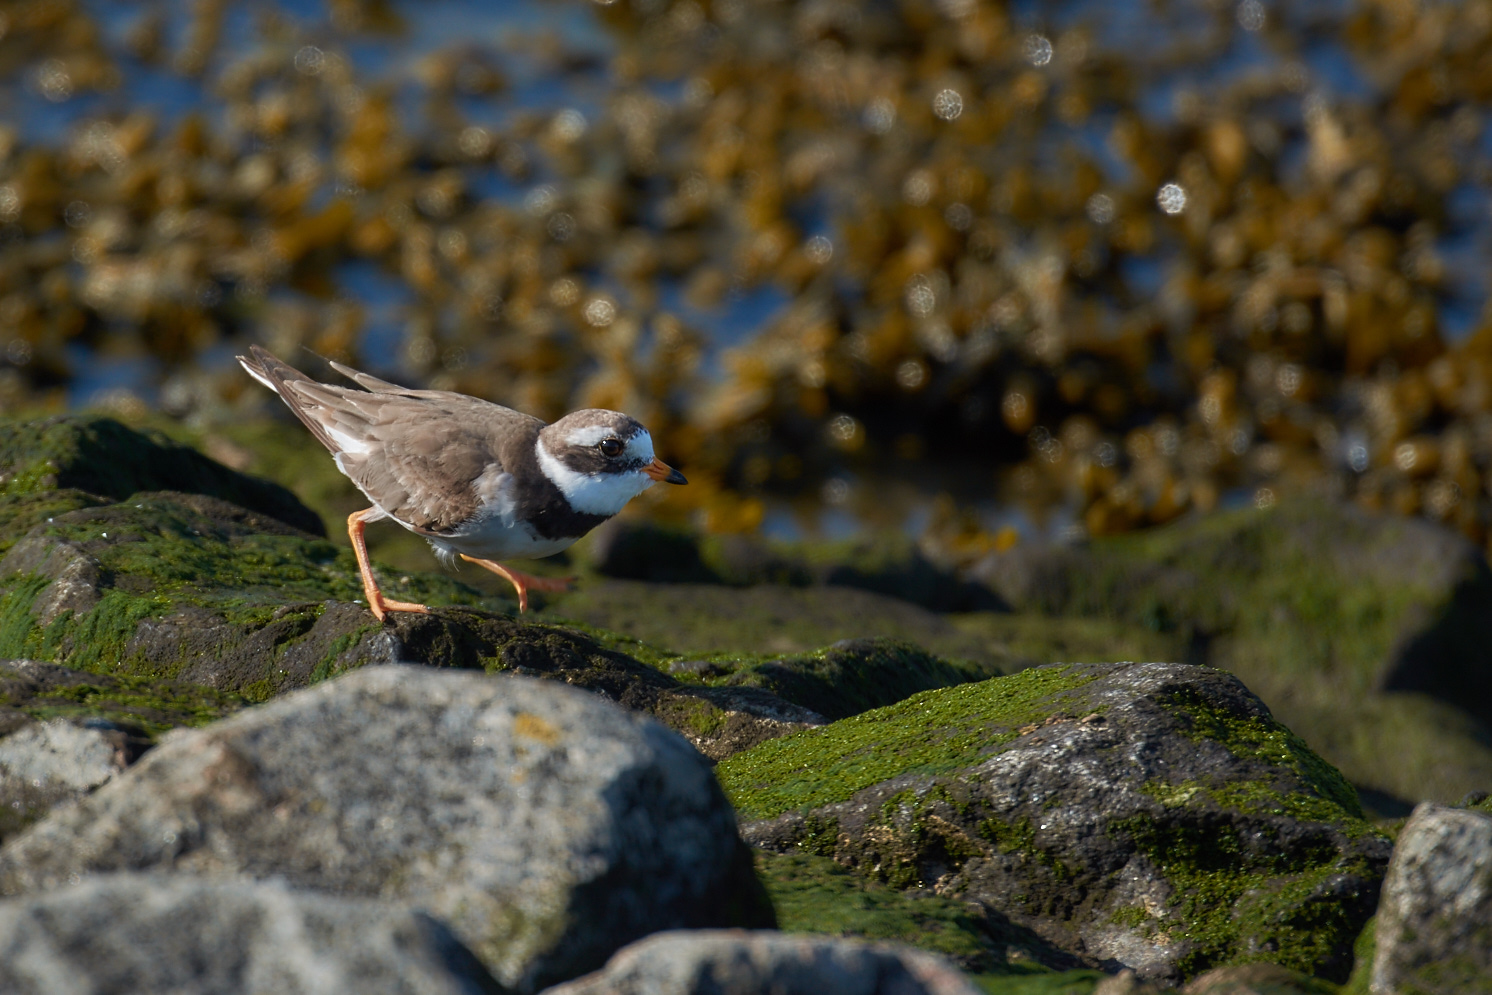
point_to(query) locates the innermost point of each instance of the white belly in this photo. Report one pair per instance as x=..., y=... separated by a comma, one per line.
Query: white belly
x=491, y=539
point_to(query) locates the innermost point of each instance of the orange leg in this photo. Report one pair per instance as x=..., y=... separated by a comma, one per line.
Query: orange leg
x=522, y=582
x=377, y=603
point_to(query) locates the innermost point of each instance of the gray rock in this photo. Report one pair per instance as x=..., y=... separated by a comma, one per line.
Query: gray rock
x=43, y=764
x=1150, y=816
x=1434, y=927
x=546, y=825
x=739, y=962
x=74, y=575
x=58, y=753
x=96, y=725
x=129, y=933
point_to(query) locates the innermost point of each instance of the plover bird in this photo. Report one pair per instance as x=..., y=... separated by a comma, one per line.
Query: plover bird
x=480, y=481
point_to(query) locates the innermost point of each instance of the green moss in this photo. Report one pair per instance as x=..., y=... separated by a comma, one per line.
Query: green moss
x=148, y=706
x=1009, y=837
x=16, y=622
x=700, y=619
x=327, y=666
x=137, y=701
x=1033, y=639
x=931, y=732
x=258, y=691
x=281, y=450
x=914, y=830
x=820, y=836
x=21, y=512
x=1262, y=799
x=160, y=555
x=1269, y=742
x=100, y=638
x=1363, y=952
x=1245, y=575
x=815, y=895
x=1234, y=907
x=704, y=719
x=1133, y=916
x=842, y=680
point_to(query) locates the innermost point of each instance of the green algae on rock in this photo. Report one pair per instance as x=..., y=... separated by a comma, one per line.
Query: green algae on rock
x=837, y=681
x=1366, y=633
x=1153, y=816
x=99, y=456
x=32, y=690
x=813, y=894
x=710, y=618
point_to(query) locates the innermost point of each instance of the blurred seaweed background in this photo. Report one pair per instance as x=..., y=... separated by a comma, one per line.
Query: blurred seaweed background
x=971, y=269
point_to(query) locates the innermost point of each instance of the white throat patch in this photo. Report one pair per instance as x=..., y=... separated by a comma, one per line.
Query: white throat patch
x=593, y=493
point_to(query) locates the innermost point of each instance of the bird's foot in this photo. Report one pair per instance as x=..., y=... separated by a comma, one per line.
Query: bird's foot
x=381, y=606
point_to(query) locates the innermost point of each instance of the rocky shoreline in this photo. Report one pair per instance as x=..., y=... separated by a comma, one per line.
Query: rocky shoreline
x=723, y=766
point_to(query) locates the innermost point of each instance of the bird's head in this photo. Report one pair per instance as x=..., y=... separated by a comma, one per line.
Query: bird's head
x=600, y=460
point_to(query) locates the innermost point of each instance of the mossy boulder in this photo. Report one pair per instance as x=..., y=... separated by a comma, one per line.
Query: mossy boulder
x=1366, y=633
x=1150, y=816
x=81, y=459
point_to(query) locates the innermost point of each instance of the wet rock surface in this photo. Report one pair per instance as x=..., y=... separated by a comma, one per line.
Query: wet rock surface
x=546, y=826
x=159, y=933
x=1149, y=816
x=737, y=962
x=1434, y=925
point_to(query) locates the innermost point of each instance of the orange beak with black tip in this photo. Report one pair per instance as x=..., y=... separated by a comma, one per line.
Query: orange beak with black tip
x=660, y=470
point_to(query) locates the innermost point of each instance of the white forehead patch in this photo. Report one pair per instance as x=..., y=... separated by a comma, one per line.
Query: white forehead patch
x=591, y=435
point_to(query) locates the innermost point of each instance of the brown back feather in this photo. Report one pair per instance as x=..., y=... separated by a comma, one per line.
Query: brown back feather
x=425, y=448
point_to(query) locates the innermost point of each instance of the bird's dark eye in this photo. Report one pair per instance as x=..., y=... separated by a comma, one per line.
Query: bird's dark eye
x=611, y=447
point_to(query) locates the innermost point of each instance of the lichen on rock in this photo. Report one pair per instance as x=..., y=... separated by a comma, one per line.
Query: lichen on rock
x=1150, y=816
